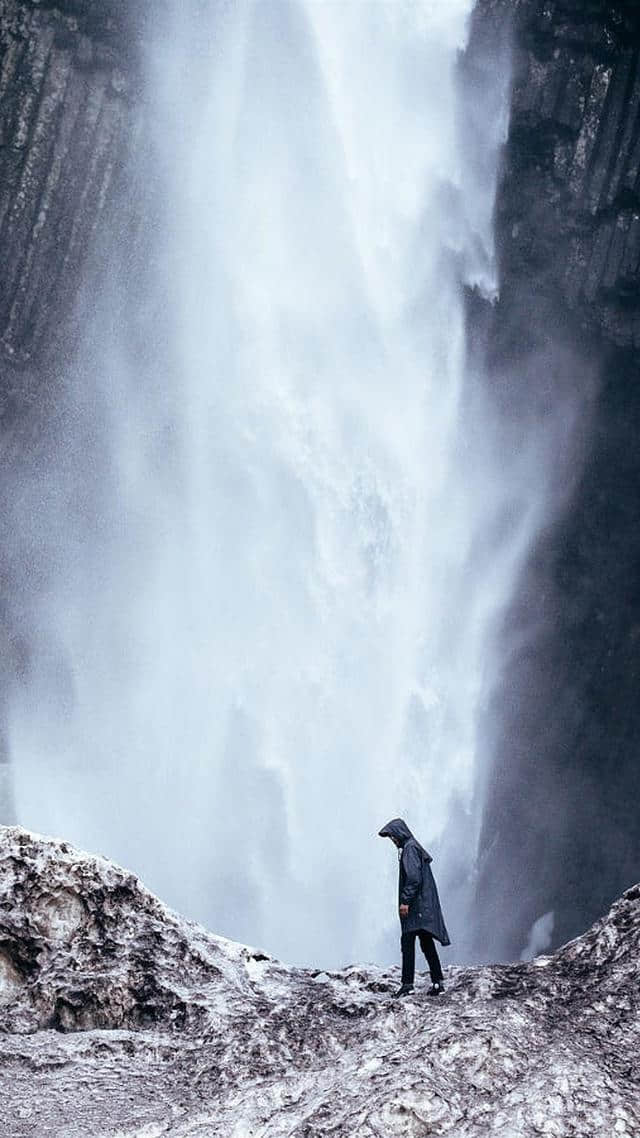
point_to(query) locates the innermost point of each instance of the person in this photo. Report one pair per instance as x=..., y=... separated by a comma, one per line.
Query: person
x=419, y=908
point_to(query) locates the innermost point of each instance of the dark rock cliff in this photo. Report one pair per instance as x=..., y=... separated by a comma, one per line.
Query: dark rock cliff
x=570, y=209
x=561, y=831
x=66, y=119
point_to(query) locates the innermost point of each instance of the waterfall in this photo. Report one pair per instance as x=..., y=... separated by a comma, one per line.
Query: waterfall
x=278, y=535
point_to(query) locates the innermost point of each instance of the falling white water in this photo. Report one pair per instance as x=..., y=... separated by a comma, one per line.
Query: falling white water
x=275, y=617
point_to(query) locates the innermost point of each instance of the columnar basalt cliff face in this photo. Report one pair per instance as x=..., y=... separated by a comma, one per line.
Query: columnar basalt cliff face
x=66, y=120
x=561, y=833
x=118, y=1018
x=570, y=210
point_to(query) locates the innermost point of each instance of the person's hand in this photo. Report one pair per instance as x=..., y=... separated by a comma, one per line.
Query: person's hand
x=404, y=910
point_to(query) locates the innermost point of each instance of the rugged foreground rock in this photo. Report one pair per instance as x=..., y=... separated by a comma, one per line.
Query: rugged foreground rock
x=118, y=1018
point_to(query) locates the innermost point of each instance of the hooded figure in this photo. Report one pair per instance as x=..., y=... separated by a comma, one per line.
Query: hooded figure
x=419, y=907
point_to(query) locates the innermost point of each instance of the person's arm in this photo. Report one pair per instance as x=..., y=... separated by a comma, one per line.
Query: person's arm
x=412, y=866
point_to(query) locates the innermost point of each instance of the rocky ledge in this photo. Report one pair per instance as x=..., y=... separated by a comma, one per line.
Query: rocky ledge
x=119, y=1018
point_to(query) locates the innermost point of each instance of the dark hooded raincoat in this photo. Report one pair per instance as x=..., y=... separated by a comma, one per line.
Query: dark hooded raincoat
x=416, y=886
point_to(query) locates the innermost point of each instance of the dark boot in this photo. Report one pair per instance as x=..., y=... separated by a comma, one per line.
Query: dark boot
x=436, y=989
x=405, y=990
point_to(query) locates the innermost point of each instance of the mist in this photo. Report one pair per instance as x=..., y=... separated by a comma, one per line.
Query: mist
x=279, y=517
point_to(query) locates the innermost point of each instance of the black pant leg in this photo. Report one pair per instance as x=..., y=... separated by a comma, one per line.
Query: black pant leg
x=427, y=944
x=408, y=946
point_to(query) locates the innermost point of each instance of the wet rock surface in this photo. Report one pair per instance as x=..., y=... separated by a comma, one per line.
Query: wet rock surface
x=569, y=211
x=66, y=118
x=563, y=725
x=118, y=1018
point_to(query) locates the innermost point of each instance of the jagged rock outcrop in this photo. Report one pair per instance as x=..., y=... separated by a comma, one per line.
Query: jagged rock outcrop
x=117, y=1018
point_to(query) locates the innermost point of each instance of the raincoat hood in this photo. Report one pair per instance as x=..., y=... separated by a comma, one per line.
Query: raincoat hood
x=397, y=828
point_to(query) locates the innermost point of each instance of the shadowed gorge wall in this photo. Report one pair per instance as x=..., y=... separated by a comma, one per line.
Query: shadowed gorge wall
x=561, y=830
x=570, y=213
